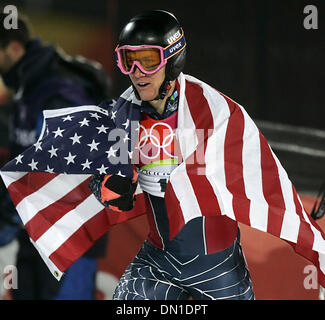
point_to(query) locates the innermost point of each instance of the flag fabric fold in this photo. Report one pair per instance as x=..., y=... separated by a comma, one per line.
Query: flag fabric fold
x=230, y=169
x=48, y=183
x=227, y=168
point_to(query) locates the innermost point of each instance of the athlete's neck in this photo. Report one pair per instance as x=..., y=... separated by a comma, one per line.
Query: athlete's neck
x=159, y=105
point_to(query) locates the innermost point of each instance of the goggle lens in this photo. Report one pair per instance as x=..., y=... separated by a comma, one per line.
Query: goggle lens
x=149, y=58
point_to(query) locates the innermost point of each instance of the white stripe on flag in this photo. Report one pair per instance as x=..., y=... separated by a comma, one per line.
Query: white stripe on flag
x=50, y=193
x=291, y=229
x=215, y=157
x=179, y=179
x=186, y=130
x=252, y=173
x=318, y=244
x=60, y=232
x=321, y=259
x=185, y=194
x=52, y=113
x=9, y=177
x=52, y=267
x=291, y=220
x=318, y=241
x=214, y=154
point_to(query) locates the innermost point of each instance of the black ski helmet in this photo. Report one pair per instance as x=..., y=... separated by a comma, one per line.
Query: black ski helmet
x=156, y=27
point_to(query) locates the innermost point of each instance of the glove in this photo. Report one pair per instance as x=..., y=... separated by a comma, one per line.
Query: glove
x=114, y=191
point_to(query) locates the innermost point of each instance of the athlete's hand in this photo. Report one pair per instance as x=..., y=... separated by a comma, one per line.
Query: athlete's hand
x=114, y=191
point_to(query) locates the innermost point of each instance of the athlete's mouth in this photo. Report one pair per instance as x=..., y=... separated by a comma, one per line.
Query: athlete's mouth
x=143, y=84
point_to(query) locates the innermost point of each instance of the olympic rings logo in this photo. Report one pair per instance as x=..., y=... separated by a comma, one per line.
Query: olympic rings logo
x=153, y=137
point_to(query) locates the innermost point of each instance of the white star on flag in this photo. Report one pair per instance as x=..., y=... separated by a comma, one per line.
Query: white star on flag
x=95, y=115
x=70, y=158
x=67, y=118
x=75, y=139
x=102, y=169
x=84, y=122
x=58, y=132
x=113, y=115
x=111, y=152
x=126, y=137
x=53, y=152
x=112, y=104
x=120, y=174
x=126, y=123
x=93, y=145
x=37, y=145
x=18, y=159
x=86, y=164
x=101, y=129
x=33, y=164
x=49, y=170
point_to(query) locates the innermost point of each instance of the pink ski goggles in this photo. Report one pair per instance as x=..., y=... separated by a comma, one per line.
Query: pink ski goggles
x=148, y=58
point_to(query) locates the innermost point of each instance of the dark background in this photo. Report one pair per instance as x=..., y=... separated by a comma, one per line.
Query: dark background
x=255, y=51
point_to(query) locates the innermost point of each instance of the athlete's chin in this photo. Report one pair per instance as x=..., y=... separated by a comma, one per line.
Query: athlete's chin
x=147, y=95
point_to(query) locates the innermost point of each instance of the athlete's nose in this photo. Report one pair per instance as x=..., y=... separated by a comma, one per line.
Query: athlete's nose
x=137, y=72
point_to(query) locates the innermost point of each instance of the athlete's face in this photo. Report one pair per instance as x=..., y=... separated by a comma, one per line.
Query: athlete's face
x=147, y=85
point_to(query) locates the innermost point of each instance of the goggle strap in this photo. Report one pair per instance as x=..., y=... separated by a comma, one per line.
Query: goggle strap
x=174, y=47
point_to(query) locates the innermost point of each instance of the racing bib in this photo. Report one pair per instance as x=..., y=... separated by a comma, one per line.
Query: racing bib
x=156, y=153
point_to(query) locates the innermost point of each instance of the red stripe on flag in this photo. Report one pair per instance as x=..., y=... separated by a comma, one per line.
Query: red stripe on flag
x=220, y=233
x=234, y=162
x=45, y=218
x=305, y=239
x=196, y=164
x=300, y=208
x=153, y=236
x=28, y=184
x=305, y=242
x=174, y=212
x=82, y=239
x=271, y=189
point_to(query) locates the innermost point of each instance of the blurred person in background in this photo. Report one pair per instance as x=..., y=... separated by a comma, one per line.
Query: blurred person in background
x=5, y=95
x=7, y=252
x=43, y=77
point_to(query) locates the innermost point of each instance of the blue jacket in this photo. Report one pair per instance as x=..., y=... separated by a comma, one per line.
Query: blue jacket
x=47, y=78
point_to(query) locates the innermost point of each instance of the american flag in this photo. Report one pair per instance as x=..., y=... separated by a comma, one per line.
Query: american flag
x=238, y=175
x=228, y=168
x=48, y=183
